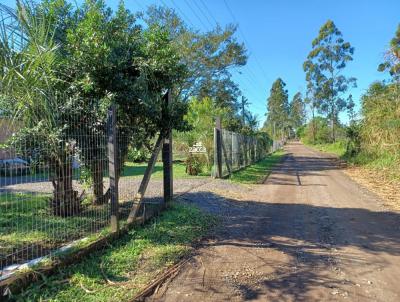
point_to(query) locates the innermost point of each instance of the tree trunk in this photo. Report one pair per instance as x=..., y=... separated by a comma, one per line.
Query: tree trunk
x=313, y=125
x=65, y=200
x=333, y=118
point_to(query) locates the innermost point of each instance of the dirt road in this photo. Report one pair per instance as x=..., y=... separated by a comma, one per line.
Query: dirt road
x=308, y=234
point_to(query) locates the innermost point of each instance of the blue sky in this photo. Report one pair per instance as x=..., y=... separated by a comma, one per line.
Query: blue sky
x=278, y=36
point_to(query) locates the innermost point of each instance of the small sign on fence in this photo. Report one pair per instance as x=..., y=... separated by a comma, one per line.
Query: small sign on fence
x=198, y=148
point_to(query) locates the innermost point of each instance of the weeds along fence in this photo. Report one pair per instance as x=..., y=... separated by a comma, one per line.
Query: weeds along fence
x=54, y=192
x=234, y=151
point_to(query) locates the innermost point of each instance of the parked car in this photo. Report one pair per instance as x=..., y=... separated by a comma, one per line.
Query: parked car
x=14, y=167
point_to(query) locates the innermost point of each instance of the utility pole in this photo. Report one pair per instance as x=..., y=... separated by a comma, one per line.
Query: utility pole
x=243, y=118
x=245, y=102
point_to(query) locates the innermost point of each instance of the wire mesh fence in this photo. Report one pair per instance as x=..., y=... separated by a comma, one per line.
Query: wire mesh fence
x=234, y=151
x=56, y=188
x=51, y=192
x=56, y=191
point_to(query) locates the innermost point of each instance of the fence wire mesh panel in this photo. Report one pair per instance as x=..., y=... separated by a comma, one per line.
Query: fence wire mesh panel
x=52, y=190
x=239, y=151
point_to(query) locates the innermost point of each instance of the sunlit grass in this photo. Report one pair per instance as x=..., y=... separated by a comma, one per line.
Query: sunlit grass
x=257, y=172
x=384, y=162
x=132, y=169
x=338, y=148
x=26, y=219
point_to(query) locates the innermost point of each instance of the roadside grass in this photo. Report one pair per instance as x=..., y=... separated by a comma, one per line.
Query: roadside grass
x=379, y=172
x=256, y=172
x=121, y=270
x=25, y=220
x=338, y=148
x=383, y=163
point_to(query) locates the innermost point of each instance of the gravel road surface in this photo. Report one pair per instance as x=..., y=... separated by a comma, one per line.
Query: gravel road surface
x=308, y=234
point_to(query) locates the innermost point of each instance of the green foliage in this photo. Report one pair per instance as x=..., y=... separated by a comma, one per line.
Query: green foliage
x=353, y=134
x=297, y=114
x=392, y=62
x=195, y=164
x=301, y=131
x=338, y=148
x=62, y=82
x=324, y=72
x=138, y=155
x=201, y=119
x=208, y=57
x=380, y=129
x=318, y=130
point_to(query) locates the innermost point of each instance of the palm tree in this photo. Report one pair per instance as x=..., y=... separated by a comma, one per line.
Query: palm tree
x=29, y=62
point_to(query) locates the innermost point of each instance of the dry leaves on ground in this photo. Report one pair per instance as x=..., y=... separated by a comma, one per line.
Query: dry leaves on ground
x=378, y=182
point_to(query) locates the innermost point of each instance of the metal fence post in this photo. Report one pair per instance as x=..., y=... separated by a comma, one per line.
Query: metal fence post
x=218, y=147
x=113, y=167
x=167, y=152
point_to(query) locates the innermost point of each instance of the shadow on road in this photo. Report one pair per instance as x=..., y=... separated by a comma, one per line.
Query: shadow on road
x=306, y=233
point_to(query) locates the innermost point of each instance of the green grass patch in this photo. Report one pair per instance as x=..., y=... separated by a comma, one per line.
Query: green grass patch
x=338, y=148
x=388, y=163
x=121, y=270
x=26, y=220
x=255, y=173
x=132, y=169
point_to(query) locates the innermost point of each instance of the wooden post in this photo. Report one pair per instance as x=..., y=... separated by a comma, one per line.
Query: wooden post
x=218, y=147
x=113, y=167
x=138, y=199
x=167, y=152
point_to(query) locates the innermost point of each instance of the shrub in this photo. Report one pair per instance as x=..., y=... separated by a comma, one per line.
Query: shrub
x=353, y=134
x=138, y=155
x=195, y=164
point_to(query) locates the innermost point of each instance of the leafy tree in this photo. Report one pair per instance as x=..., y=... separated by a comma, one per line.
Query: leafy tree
x=112, y=60
x=201, y=119
x=317, y=131
x=312, y=97
x=73, y=73
x=278, y=109
x=209, y=57
x=392, y=63
x=29, y=89
x=297, y=114
x=350, y=109
x=324, y=69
